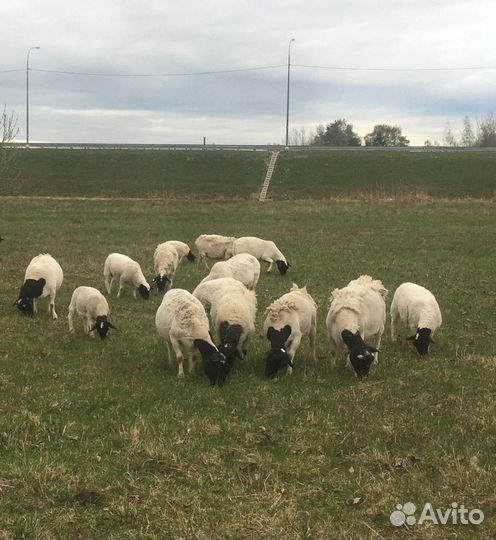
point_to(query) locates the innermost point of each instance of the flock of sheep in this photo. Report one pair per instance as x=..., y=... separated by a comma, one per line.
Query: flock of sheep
x=355, y=321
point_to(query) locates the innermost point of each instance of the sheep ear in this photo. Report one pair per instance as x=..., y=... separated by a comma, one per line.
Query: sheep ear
x=373, y=349
x=286, y=331
x=270, y=333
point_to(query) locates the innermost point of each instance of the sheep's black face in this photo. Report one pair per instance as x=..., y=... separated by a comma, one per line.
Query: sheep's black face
x=421, y=340
x=282, y=267
x=275, y=360
x=163, y=283
x=361, y=360
x=215, y=364
x=144, y=292
x=102, y=326
x=190, y=257
x=25, y=305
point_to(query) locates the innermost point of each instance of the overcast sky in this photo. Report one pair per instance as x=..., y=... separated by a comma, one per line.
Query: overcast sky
x=128, y=37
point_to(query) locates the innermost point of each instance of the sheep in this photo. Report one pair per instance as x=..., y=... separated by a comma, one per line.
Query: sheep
x=416, y=307
x=232, y=311
x=213, y=246
x=290, y=318
x=165, y=263
x=43, y=277
x=243, y=267
x=181, y=320
x=357, y=312
x=183, y=250
x=264, y=250
x=93, y=307
x=123, y=269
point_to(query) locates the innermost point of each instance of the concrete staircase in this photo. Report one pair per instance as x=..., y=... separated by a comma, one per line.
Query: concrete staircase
x=268, y=176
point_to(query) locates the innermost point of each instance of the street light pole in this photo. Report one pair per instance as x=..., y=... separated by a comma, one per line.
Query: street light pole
x=287, y=94
x=27, y=94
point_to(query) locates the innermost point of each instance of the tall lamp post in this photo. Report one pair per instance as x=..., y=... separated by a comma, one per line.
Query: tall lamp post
x=27, y=94
x=287, y=95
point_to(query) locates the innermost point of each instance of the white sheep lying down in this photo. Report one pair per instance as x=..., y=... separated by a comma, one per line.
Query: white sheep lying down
x=93, y=307
x=43, y=278
x=181, y=320
x=243, y=267
x=290, y=318
x=263, y=250
x=418, y=309
x=214, y=246
x=127, y=272
x=357, y=312
x=165, y=262
x=232, y=311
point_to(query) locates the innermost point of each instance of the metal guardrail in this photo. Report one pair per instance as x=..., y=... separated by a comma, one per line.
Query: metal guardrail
x=248, y=147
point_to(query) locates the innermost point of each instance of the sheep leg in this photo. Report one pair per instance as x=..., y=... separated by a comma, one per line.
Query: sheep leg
x=51, y=307
x=394, y=321
x=191, y=362
x=311, y=336
x=69, y=319
x=179, y=356
x=293, y=347
x=89, y=324
x=109, y=281
x=121, y=286
x=378, y=338
x=270, y=261
x=35, y=307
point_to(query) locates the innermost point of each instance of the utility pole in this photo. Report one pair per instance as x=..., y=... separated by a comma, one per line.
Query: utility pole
x=287, y=95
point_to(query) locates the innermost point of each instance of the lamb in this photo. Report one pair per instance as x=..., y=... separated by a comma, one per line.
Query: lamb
x=93, y=308
x=181, y=320
x=243, y=267
x=123, y=269
x=43, y=277
x=289, y=319
x=183, y=250
x=416, y=307
x=264, y=250
x=357, y=312
x=165, y=263
x=213, y=246
x=232, y=311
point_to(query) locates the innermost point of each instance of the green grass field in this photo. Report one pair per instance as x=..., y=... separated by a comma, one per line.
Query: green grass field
x=209, y=174
x=101, y=440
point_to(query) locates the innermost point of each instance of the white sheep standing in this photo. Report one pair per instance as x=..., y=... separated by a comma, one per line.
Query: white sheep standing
x=181, y=320
x=165, y=262
x=183, y=250
x=213, y=246
x=357, y=312
x=290, y=318
x=243, y=267
x=43, y=277
x=123, y=269
x=93, y=307
x=263, y=250
x=418, y=309
x=232, y=311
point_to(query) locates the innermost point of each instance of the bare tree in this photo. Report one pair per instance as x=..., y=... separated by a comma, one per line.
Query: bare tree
x=298, y=137
x=449, y=139
x=9, y=155
x=486, y=131
x=467, y=137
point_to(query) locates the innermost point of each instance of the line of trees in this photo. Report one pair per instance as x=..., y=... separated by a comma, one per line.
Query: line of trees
x=481, y=133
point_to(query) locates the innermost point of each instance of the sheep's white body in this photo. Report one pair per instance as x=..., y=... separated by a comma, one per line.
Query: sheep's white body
x=125, y=271
x=416, y=307
x=263, y=250
x=358, y=307
x=297, y=309
x=180, y=319
x=46, y=267
x=214, y=246
x=89, y=303
x=243, y=267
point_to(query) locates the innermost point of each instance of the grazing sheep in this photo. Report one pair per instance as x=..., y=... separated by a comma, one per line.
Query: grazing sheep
x=264, y=250
x=93, y=308
x=417, y=307
x=232, y=311
x=183, y=250
x=43, y=278
x=165, y=263
x=181, y=320
x=243, y=267
x=290, y=318
x=213, y=246
x=357, y=312
x=123, y=269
